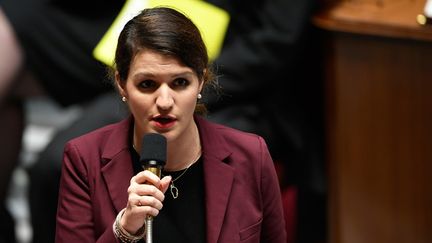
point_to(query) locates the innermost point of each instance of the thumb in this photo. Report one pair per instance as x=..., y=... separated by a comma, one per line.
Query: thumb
x=164, y=183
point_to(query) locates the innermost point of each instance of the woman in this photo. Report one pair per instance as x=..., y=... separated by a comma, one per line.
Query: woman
x=221, y=183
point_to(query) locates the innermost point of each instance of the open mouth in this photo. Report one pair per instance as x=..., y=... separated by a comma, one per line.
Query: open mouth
x=163, y=120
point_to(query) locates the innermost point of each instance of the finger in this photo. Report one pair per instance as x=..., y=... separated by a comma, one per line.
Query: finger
x=145, y=206
x=141, y=206
x=146, y=201
x=147, y=211
x=164, y=183
x=146, y=177
x=147, y=190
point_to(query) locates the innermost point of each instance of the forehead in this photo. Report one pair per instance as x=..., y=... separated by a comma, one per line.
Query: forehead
x=152, y=58
x=150, y=61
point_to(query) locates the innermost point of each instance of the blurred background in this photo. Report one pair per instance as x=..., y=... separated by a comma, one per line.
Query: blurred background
x=44, y=119
x=378, y=115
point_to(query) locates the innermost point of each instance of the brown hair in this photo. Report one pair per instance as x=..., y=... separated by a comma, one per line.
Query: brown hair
x=168, y=32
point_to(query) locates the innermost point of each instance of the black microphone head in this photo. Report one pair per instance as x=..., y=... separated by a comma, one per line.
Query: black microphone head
x=153, y=150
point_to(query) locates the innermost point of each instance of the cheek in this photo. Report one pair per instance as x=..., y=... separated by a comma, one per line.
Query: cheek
x=188, y=103
x=138, y=105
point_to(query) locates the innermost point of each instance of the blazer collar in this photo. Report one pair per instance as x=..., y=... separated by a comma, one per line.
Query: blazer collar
x=117, y=167
x=219, y=175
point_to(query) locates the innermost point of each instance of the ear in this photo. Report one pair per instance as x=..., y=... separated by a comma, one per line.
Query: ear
x=201, y=84
x=119, y=85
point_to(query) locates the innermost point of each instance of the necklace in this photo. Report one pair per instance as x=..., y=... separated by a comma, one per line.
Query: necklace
x=173, y=189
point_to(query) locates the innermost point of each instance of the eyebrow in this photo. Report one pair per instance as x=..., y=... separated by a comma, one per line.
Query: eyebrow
x=152, y=75
x=185, y=73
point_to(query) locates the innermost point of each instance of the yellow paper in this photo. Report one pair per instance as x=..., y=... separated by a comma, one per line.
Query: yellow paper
x=210, y=20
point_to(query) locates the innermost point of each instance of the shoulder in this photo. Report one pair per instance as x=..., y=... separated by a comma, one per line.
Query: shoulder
x=87, y=154
x=221, y=139
x=107, y=136
x=230, y=135
x=96, y=135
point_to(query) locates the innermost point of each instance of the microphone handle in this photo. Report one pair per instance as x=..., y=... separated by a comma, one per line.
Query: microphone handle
x=157, y=170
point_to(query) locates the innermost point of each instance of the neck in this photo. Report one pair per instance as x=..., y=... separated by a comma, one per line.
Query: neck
x=184, y=151
x=181, y=152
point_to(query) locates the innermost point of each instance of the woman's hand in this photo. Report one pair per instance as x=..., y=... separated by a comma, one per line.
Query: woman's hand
x=146, y=194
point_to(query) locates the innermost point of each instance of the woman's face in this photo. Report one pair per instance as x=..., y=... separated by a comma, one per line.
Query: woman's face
x=161, y=93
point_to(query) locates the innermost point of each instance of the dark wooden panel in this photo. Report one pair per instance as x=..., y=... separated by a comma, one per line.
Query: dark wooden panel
x=379, y=127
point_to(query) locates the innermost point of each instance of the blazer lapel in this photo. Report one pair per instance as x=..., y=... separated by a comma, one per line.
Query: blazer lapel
x=218, y=176
x=218, y=181
x=117, y=168
x=117, y=174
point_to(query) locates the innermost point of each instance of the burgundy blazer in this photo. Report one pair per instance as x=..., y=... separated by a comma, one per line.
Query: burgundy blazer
x=242, y=196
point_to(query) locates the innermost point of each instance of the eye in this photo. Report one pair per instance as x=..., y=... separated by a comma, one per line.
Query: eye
x=181, y=82
x=147, y=84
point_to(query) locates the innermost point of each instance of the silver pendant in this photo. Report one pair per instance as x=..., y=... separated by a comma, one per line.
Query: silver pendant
x=174, y=191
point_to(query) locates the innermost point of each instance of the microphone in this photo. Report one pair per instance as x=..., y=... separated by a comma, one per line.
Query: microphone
x=153, y=153
x=152, y=158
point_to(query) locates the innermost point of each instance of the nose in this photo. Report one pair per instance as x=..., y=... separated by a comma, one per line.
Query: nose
x=164, y=100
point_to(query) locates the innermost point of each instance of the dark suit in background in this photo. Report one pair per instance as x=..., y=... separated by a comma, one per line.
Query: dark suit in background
x=270, y=76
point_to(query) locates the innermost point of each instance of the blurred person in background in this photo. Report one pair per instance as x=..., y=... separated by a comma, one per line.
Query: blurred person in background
x=45, y=49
